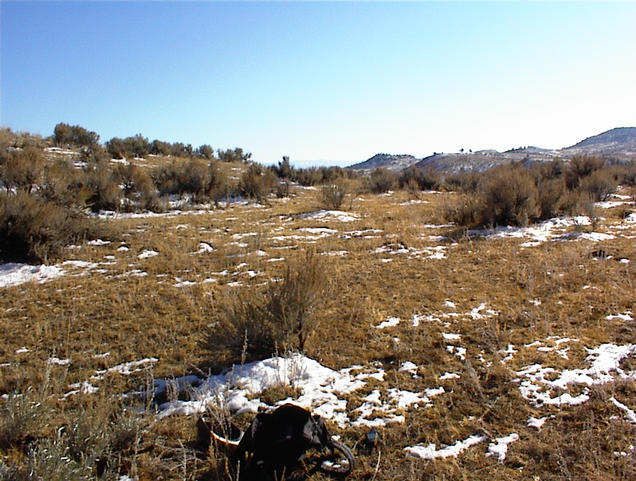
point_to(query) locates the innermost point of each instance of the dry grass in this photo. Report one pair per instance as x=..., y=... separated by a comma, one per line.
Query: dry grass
x=162, y=307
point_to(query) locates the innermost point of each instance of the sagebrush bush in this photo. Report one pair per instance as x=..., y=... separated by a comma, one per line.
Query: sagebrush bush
x=255, y=325
x=382, y=180
x=465, y=210
x=139, y=189
x=256, y=182
x=21, y=169
x=424, y=179
x=550, y=193
x=21, y=418
x=104, y=193
x=63, y=184
x=599, y=185
x=97, y=441
x=332, y=196
x=510, y=198
x=463, y=181
x=196, y=177
x=33, y=230
x=580, y=167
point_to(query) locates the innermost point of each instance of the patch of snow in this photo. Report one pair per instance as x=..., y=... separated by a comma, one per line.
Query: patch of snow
x=13, y=274
x=80, y=264
x=321, y=390
x=460, y=352
x=322, y=231
x=390, y=322
x=83, y=387
x=336, y=253
x=126, y=368
x=147, y=254
x=499, y=447
x=627, y=316
x=98, y=242
x=409, y=367
x=536, y=422
x=431, y=452
x=449, y=375
x=604, y=367
x=205, y=247
x=22, y=350
x=330, y=214
x=58, y=361
x=608, y=204
x=629, y=414
x=451, y=337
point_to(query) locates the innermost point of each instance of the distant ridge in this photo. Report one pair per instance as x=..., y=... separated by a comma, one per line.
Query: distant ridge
x=388, y=161
x=620, y=137
x=617, y=145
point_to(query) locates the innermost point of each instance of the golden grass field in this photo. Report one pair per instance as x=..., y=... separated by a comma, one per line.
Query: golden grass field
x=474, y=310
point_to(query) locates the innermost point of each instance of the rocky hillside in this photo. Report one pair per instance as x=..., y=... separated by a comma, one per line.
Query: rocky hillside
x=618, y=144
x=619, y=141
x=388, y=161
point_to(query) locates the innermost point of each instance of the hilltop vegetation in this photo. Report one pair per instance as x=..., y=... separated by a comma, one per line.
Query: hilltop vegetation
x=482, y=323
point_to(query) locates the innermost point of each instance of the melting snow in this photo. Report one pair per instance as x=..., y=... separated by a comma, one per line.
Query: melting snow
x=147, y=253
x=390, y=322
x=604, y=360
x=319, y=386
x=629, y=414
x=431, y=452
x=13, y=274
x=536, y=422
x=333, y=214
x=499, y=448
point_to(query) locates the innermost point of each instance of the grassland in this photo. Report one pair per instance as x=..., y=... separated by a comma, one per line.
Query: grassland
x=467, y=313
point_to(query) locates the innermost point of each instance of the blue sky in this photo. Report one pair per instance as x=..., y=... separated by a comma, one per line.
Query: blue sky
x=329, y=83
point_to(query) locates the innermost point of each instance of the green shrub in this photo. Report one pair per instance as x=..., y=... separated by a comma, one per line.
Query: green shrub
x=63, y=184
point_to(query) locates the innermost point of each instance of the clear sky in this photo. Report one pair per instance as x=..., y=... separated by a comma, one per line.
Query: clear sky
x=325, y=83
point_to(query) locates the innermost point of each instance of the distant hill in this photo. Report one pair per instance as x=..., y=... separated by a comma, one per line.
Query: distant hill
x=615, y=141
x=617, y=145
x=388, y=161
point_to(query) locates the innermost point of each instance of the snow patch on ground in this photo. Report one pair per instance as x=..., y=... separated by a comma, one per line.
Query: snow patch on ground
x=13, y=274
x=390, y=322
x=537, y=381
x=330, y=214
x=430, y=451
x=322, y=390
x=499, y=447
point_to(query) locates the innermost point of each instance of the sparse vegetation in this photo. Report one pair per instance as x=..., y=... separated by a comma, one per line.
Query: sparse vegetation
x=191, y=292
x=279, y=319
